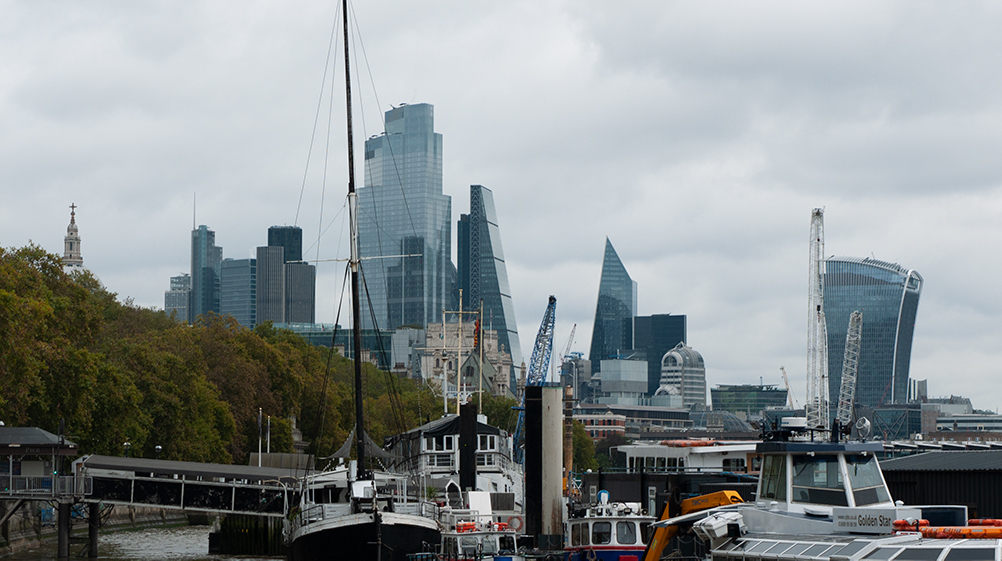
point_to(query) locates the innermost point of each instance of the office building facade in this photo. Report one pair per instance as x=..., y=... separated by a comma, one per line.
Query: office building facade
x=290, y=239
x=483, y=274
x=887, y=295
x=617, y=302
x=206, y=258
x=238, y=290
x=178, y=298
x=649, y=338
x=405, y=219
x=286, y=286
x=683, y=370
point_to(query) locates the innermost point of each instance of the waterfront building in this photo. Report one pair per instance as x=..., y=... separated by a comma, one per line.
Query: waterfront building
x=747, y=399
x=405, y=221
x=602, y=425
x=72, y=258
x=238, y=290
x=649, y=338
x=887, y=295
x=617, y=302
x=206, y=258
x=440, y=359
x=178, y=298
x=482, y=272
x=682, y=368
x=640, y=419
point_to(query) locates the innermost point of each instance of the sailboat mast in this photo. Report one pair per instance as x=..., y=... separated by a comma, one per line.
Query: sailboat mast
x=356, y=308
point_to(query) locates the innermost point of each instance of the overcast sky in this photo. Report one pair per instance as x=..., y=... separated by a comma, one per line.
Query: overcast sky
x=697, y=136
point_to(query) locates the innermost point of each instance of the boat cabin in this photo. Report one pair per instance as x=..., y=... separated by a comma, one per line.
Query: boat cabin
x=607, y=526
x=813, y=477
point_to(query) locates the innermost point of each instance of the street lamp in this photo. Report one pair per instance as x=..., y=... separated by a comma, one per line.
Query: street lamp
x=127, y=446
x=158, y=449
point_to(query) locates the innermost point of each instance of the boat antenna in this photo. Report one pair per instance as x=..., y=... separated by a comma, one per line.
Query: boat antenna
x=353, y=262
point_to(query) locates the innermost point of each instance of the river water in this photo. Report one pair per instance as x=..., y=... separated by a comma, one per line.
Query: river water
x=181, y=543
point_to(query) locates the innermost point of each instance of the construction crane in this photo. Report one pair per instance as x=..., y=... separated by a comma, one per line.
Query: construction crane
x=567, y=351
x=538, y=366
x=850, y=365
x=817, y=332
x=789, y=393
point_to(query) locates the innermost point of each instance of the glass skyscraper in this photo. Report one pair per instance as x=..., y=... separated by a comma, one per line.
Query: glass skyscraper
x=405, y=219
x=206, y=258
x=887, y=295
x=617, y=301
x=483, y=274
x=238, y=290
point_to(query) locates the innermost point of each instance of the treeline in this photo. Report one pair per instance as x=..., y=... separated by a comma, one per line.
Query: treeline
x=117, y=373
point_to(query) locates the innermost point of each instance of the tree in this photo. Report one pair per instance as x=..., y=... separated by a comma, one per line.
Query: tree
x=584, y=449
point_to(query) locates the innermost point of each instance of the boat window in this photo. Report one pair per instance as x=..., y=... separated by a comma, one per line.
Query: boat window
x=489, y=545
x=774, y=478
x=816, y=550
x=852, y=549
x=506, y=544
x=971, y=554
x=864, y=478
x=645, y=532
x=919, y=554
x=818, y=480
x=882, y=553
x=626, y=532
x=576, y=533
x=601, y=533
x=778, y=548
x=761, y=547
x=797, y=549
x=468, y=545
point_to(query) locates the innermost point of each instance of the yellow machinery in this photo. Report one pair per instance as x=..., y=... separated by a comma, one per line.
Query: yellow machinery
x=664, y=535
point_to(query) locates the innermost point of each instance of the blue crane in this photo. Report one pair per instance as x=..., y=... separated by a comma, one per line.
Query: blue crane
x=539, y=364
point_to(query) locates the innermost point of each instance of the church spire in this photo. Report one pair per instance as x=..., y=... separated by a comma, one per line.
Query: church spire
x=71, y=244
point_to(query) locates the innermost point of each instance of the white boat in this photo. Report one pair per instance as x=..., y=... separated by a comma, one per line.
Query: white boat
x=607, y=531
x=469, y=535
x=820, y=501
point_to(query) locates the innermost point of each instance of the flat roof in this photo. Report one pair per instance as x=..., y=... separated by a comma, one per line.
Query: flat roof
x=192, y=469
x=33, y=441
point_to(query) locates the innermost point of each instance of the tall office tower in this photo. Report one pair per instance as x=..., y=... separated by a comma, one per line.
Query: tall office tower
x=649, y=338
x=178, y=298
x=405, y=218
x=483, y=274
x=300, y=283
x=72, y=259
x=290, y=238
x=617, y=301
x=887, y=295
x=206, y=257
x=238, y=290
x=683, y=370
x=300, y=292
x=271, y=284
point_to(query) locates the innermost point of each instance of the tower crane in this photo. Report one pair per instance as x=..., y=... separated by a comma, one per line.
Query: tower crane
x=850, y=365
x=817, y=332
x=538, y=365
x=567, y=349
x=789, y=393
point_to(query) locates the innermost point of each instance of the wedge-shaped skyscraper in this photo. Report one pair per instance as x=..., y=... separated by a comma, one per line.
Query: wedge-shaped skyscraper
x=617, y=301
x=887, y=295
x=483, y=274
x=405, y=230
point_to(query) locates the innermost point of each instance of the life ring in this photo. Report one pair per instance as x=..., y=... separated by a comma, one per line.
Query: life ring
x=515, y=523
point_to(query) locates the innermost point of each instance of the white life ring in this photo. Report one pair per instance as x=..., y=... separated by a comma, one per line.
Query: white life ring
x=515, y=523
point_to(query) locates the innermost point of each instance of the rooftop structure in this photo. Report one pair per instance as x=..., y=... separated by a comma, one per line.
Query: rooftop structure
x=682, y=368
x=72, y=259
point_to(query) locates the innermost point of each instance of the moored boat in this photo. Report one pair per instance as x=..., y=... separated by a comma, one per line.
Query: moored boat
x=607, y=531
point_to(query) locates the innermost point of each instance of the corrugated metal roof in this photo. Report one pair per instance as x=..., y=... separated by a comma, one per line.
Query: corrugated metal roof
x=959, y=460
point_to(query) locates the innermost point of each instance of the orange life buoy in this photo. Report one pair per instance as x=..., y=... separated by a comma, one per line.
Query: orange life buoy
x=515, y=523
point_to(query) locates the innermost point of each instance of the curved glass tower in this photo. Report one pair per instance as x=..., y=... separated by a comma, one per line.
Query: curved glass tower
x=887, y=295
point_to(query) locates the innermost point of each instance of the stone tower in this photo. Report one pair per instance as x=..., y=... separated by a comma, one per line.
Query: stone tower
x=71, y=243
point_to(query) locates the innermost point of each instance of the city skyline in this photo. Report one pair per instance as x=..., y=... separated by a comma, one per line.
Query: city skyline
x=698, y=139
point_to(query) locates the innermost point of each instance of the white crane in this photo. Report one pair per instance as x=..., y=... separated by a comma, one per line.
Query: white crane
x=789, y=393
x=563, y=357
x=850, y=365
x=817, y=333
